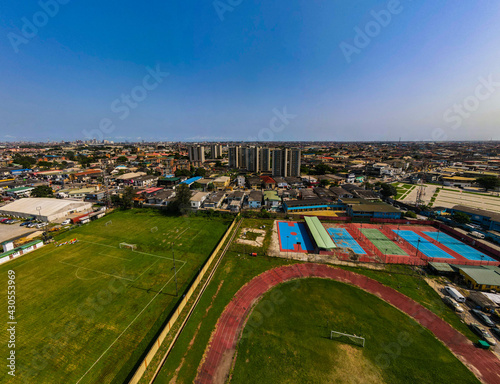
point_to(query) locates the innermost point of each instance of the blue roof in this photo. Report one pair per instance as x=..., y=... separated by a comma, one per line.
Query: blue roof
x=191, y=180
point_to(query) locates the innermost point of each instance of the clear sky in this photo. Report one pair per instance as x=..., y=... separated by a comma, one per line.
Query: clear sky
x=248, y=69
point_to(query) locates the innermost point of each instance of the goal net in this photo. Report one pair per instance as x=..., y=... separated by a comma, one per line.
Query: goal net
x=108, y=223
x=346, y=337
x=154, y=229
x=132, y=247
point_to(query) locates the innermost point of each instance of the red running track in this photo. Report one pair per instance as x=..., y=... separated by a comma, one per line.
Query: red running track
x=220, y=352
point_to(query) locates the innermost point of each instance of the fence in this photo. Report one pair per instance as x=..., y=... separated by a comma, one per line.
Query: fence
x=159, y=341
x=401, y=221
x=468, y=240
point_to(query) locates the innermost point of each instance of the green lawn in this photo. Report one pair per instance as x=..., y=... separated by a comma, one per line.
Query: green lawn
x=236, y=269
x=293, y=334
x=403, y=279
x=87, y=311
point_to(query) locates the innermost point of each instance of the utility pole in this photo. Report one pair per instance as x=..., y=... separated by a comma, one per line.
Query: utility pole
x=175, y=270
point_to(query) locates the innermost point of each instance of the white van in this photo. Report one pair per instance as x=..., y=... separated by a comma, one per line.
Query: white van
x=66, y=222
x=477, y=234
x=450, y=291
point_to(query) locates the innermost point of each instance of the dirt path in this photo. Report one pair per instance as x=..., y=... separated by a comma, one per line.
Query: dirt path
x=216, y=364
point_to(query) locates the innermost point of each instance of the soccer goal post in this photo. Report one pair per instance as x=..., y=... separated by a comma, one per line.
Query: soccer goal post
x=108, y=223
x=334, y=335
x=132, y=247
x=154, y=229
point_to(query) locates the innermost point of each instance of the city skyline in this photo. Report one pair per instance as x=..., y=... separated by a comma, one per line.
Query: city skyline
x=367, y=71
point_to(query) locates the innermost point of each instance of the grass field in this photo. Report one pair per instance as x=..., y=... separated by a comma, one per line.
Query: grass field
x=382, y=242
x=86, y=312
x=294, y=336
x=236, y=269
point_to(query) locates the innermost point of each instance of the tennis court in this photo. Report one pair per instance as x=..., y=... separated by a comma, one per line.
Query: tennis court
x=294, y=237
x=343, y=239
x=456, y=245
x=423, y=245
x=382, y=242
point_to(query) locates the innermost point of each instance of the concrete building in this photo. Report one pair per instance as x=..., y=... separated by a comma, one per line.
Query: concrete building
x=286, y=162
x=234, y=156
x=216, y=151
x=196, y=153
x=265, y=159
x=44, y=209
x=197, y=199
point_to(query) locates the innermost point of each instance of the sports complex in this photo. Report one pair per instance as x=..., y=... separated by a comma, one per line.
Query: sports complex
x=94, y=302
x=396, y=243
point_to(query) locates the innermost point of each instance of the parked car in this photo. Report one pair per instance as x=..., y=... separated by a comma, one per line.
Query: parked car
x=4, y=220
x=31, y=225
x=10, y=221
x=66, y=222
x=25, y=224
x=496, y=331
x=40, y=225
x=485, y=319
x=483, y=334
x=453, y=304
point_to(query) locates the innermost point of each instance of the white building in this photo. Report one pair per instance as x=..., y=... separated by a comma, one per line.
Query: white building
x=44, y=209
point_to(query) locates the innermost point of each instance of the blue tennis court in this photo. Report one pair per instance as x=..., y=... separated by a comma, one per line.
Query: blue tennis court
x=343, y=239
x=294, y=237
x=462, y=249
x=423, y=245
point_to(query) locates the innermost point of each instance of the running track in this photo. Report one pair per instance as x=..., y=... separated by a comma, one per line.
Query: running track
x=219, y=354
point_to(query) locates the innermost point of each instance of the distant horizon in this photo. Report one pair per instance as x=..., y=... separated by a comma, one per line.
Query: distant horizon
x=254, y=142
x=295, y=70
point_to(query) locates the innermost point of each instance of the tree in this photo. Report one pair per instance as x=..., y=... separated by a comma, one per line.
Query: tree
x=126, y=200
x=388, y=190
x=488, y=182
x=461, y=218
x=200, y=172
x=122, y=159
x=24, y=161
x=182, y=172
x=181, y=203
x=410, y=214
x=324, y=182
x=42, y=191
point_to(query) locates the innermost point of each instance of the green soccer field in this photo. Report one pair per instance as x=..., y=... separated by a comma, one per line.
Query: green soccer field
x=288, y=340
x=382, y=242
x=86, y=312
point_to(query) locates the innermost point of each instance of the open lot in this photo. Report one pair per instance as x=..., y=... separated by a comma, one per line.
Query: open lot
x=295, y=337
x=88, y=310
x=448, y=198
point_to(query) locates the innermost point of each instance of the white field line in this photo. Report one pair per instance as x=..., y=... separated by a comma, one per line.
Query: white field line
x=143, y=253
x=93, y=270
x=128, y=326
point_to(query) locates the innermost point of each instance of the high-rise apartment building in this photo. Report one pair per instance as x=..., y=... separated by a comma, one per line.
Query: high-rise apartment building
x=196, y=153
x=216, y=150
x=286, y=162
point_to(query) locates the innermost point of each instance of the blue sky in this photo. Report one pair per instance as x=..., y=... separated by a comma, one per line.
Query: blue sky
x=254, y=69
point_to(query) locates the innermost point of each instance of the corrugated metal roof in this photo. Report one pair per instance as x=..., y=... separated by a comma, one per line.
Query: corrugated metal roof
x=319, y=233
x=482, y=276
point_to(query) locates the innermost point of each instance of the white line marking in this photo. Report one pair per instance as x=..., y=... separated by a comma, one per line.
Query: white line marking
x=128, y=326
x=93, y=270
